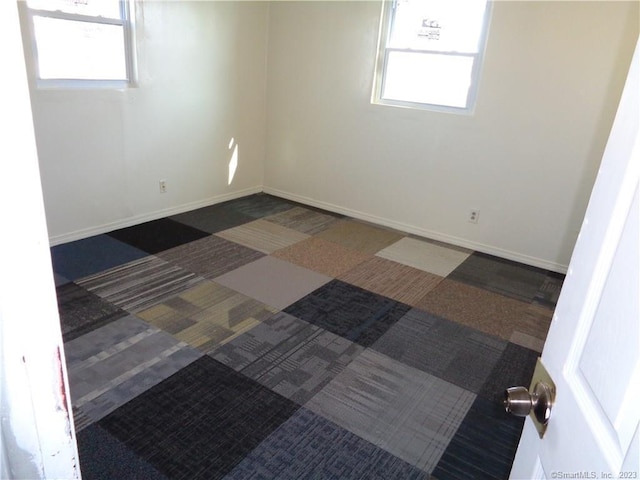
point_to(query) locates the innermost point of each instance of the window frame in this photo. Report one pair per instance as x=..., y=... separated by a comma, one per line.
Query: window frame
x=125, y=21
x=386, y=25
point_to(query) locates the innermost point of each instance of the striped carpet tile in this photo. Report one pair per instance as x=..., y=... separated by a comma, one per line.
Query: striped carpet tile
x=140, y=284
x=211, y=256
x=266, y=237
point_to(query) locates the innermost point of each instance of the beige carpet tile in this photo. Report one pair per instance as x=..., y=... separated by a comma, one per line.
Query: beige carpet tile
x=360, y=236
x=264, y=236
x=527, y=341
x=322, y=256
x=478, y=308
x=393, y=280
x=303, y=220
x=207, y=316
x=423, y=255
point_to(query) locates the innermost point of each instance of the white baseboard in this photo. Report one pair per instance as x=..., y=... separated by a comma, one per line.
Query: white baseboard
x=146, y=217
x=433, y=235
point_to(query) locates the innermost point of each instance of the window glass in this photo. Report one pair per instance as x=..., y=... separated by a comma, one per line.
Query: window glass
x=69, y=49
x=95, y=8
x=430, y=54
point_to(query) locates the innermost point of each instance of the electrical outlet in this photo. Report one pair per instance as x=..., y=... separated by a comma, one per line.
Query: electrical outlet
x=474, y=216
x=163, y=186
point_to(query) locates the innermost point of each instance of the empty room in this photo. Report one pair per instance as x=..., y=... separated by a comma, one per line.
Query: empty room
x=319, y=239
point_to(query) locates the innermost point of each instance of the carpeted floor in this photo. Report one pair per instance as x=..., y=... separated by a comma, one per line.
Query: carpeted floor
x=262, y=339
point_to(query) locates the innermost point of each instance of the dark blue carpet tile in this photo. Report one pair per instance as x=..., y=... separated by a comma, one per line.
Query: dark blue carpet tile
x=514, y=280
x=103, y=457
x=158, y=235
x=200, y=422
x=213, y=219
x=349, y=311
x=91, y=255
x=259, y=205
x=82, y=311
x=484, y=445
x=515, y=367
x=308, y=446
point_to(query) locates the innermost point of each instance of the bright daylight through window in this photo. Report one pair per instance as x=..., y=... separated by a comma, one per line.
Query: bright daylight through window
x=81, y=41
x=430, y=53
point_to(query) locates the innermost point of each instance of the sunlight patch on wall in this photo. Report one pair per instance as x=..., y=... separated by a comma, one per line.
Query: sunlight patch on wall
x=233, y=163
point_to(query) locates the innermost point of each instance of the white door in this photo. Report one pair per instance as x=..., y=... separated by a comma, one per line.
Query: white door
x=593, y=348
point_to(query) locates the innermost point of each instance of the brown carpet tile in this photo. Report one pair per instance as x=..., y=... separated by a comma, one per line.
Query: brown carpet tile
x=360, y=236
x=322, y=256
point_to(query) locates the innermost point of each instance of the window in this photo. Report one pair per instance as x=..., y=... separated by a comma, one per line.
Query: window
x=81, y=42
x=430, y=53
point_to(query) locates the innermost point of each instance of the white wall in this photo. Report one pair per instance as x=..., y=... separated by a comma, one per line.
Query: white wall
x=202, y=74
x=527, y=158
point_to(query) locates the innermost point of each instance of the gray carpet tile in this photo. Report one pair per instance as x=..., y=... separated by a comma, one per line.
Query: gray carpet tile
x=212, y=219
x=140, y=284
x=273, y=281
x=515, y=367
x=112, y=365
x=403, y=410
x=451, y=351
x=211, y=256
x=303, y=220
x=82, y=311
x=291, y=357
x=259, y=205
x=514, y=280
x=308, y=446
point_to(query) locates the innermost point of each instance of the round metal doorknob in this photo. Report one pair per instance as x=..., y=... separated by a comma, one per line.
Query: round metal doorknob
x=519, y=402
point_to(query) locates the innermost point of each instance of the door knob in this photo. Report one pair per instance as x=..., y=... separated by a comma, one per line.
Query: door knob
x=537, y=403
x=519, y=402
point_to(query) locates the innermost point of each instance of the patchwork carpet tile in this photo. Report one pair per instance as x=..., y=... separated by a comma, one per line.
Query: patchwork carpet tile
x=322, y=256
x=212, y=219
x=207, y=315
x=349, y=311
x=402, y=410
x=515, y=367
x=82, y=311
x=211, y=256
x=140, y=284
x=360, y=236
x=113, y=364
x=457, y=354
x=310, y=446
x=102, y=456
x=91, y=255
x=291, y=357
x=515, y=280
x=263, y=236
x=158, y=235
x=199, y=423
x=423, y=255
x=392, y=279
x=273, y=281
x=484, y=446
x=259, y=205
x=483, y=310
x=304, y=220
